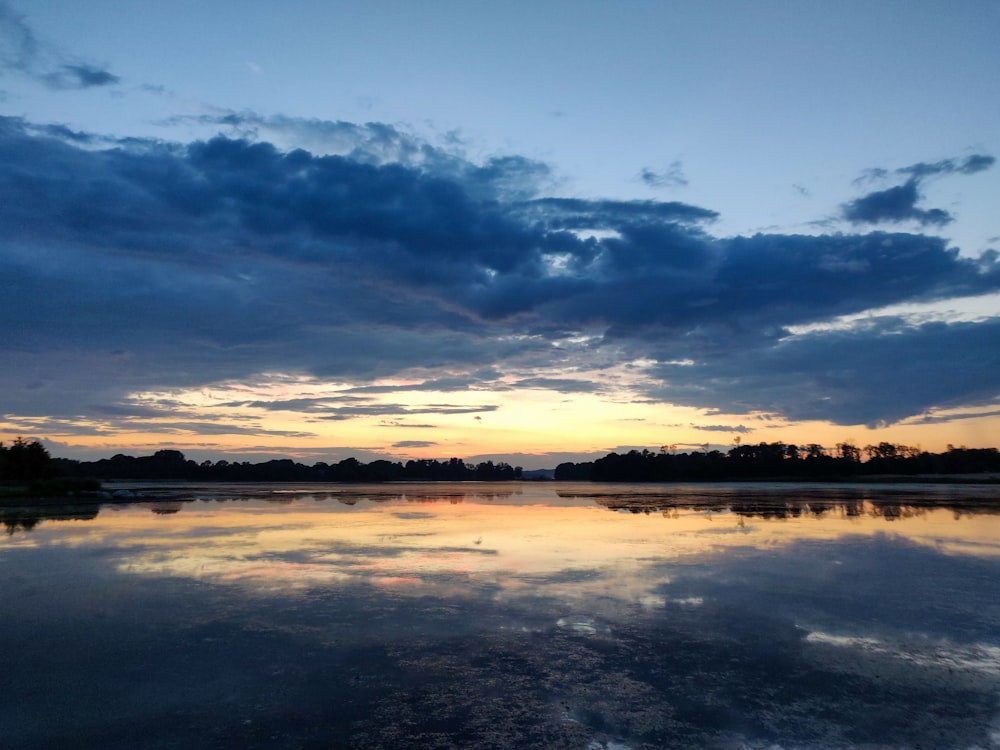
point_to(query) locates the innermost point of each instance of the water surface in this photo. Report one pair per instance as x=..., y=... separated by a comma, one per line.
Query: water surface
x=549, y=615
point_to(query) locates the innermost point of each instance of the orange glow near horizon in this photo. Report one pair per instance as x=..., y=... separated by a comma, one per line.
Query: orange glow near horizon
x=415, y=543
x=412, y=424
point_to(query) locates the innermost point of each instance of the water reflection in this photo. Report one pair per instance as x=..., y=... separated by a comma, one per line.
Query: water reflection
x=507, y=616
x=775, y=501
x=26, y=518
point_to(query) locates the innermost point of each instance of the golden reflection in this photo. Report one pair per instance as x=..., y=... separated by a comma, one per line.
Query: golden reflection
x=553, y=540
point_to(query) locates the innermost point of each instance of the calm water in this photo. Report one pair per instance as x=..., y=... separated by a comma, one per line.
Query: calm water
x=505, y=616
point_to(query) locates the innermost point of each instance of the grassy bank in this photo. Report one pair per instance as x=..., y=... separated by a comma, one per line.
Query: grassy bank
x=42, y=489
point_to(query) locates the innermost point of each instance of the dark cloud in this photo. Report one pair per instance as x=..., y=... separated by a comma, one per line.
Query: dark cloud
x=349, y=407
x=953, y=416
x=23, y=52
x=67, y=134
x=741, y=429
x=899, y=203
x=875, y=374
x=113, y=424
x=414, y=444
x=134, y=265
x=315, y=405
x=872, y=174
x=976, y=163
x=79, y=77
x=579, y=214
x=341, y=413
x=968, y=165
x=436, y=384
x=672, y=176
x=376, y=143
x=202, y=427
x=894, y=205
x=563, y=385
x=18, y=46
x=371, y=143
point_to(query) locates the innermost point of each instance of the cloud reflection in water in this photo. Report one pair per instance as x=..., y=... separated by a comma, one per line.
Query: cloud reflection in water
x=531, y=616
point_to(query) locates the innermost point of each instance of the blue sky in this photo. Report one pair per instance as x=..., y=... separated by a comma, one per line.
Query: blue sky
x=331, y=229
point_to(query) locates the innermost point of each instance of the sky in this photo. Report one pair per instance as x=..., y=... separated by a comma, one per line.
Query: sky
x=530, y=232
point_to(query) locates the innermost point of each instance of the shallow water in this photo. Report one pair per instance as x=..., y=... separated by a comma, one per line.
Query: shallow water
x=548, y=615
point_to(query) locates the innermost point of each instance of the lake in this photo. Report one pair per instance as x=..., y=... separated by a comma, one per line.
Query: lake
x=515, y=615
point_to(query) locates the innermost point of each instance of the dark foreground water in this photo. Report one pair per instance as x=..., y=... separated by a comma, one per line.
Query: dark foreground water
x=505, y=616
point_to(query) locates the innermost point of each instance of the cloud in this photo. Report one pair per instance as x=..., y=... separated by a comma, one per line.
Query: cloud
x=379, y=410
x=969, y=165
x=343, y=407
x=579, y=214
x=875, y=374
x=414, y=444
x=672, y=176
x=23, y=52
x=18, y=45
x=563, y=385
x=434, y=384
x=133, y=265
x=112, y=421
x=954, y=416
x=899, y=203
x=741, y=429
x=894, y=205
x=79, y=77
x=872, y=174
x=513, y=177
x=202, y=427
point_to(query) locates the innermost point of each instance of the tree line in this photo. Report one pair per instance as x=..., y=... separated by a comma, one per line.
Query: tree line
x=29, y=461
x=781, y=461
x=26, y=461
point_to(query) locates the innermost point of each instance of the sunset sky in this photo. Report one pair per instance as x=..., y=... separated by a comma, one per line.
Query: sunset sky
x=531, y=232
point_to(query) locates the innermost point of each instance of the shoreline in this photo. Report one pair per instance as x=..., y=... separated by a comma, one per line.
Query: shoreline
x=165, y=490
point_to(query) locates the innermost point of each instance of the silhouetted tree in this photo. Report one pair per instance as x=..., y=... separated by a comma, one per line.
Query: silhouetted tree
x=26, y=461
x=849, y=452
x=570, y=472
